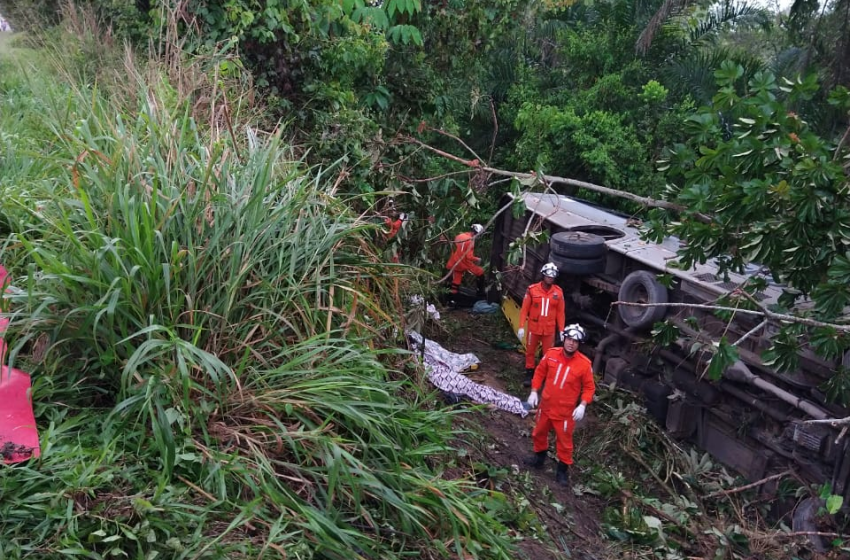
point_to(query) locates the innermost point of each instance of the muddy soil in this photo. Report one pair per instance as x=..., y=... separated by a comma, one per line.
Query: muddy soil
x=10, y=451
x=571, y=519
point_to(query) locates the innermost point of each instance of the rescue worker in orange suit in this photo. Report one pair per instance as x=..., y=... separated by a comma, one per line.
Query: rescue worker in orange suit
x=569, y=388
x=543, y=308
x=395, y=227
x=463, y=259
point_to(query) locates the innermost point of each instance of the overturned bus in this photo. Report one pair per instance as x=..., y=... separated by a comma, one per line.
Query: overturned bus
x=752, y=419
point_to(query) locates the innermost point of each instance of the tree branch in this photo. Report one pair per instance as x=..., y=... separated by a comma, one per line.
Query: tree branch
x=831, y=421
x=750, y=333
x=554, y=179
x=748, y=486
x=762, y=312
x=453, y=137
x=495, y=128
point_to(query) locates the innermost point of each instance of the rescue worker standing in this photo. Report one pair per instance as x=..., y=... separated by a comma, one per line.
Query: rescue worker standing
x=463, y=259
x=543, y=308
x=569, y=382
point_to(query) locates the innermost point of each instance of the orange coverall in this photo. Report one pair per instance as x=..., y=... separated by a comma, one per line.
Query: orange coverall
x=464, y=246
x=569, y=379
x=395, y=226
x=543, y=307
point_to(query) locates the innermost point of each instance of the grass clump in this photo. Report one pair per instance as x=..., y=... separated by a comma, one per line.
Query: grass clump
x=204, y=320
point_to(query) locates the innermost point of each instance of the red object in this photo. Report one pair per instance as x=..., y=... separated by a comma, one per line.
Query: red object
x=567, y=378
x=18, y=433
x=543, y=308
x=463, y=259
x=394, y=226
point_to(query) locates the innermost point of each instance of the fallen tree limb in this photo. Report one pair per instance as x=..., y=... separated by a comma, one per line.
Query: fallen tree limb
x=834, y=422
x=762, y=312
x=748, y=486
x=476, y=164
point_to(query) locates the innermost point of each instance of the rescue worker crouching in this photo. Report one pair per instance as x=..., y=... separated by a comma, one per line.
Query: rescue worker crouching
x=568, y=379
x=394, y=223
x=544, y=309
x=463, y=260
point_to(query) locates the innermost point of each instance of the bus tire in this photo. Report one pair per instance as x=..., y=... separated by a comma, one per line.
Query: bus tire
x=577, y=245
x=641, y=287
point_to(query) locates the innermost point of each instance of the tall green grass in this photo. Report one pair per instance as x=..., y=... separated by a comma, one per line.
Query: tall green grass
x=206, y=323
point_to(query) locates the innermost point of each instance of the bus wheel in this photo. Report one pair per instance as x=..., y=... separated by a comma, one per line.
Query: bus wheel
x=641, y=287
x=577, y=245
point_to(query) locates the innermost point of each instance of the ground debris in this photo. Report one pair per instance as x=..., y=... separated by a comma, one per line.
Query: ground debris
x=12, y=451
x=636, y=491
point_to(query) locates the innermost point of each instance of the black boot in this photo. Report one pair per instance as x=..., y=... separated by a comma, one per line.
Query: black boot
x=562, y=475
x=482, y=285
x=537, y=460
x=529, y=375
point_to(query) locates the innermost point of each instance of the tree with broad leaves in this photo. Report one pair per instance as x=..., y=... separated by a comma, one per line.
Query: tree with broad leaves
x=777, y=195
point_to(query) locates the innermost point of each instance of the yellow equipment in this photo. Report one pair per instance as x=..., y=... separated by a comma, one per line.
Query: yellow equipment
x=511, y=310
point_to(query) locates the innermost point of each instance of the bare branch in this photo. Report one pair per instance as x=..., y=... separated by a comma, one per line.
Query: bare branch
x=495, y=129
x=762, y=312
x=748, y=486
x=834, y=422
x=554, y=179
x=455, y=138
x=752, y=331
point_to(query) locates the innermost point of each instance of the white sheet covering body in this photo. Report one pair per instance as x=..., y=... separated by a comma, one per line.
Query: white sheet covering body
x=444, y=367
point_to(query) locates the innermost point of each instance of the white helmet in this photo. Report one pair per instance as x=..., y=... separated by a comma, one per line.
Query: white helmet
x=550, y=270
x=574, y=332
x=477, y=228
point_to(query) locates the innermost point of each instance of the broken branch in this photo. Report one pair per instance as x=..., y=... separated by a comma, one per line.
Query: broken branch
x=751, y=332
x=762, y=312
x=748, y=486
x=831, y=421
x=554, y=179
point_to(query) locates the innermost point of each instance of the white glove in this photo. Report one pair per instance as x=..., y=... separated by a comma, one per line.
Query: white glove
x=533, y=399
x=578, y=413
x=402, y=216
x=521, y=334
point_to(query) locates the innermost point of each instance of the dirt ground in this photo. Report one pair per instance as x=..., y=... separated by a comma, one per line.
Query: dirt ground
x=570, y=520
x=551, y=522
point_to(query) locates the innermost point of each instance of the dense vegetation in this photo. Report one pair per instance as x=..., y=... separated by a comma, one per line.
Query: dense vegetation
x=191, y=227
x=199, y=314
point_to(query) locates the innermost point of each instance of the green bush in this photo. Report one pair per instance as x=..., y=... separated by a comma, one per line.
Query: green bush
x=201, y=318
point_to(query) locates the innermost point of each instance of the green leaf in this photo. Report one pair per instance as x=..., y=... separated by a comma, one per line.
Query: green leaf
x=405, y=34
x=724, y=356
x=834, y=503
x=371, y=15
